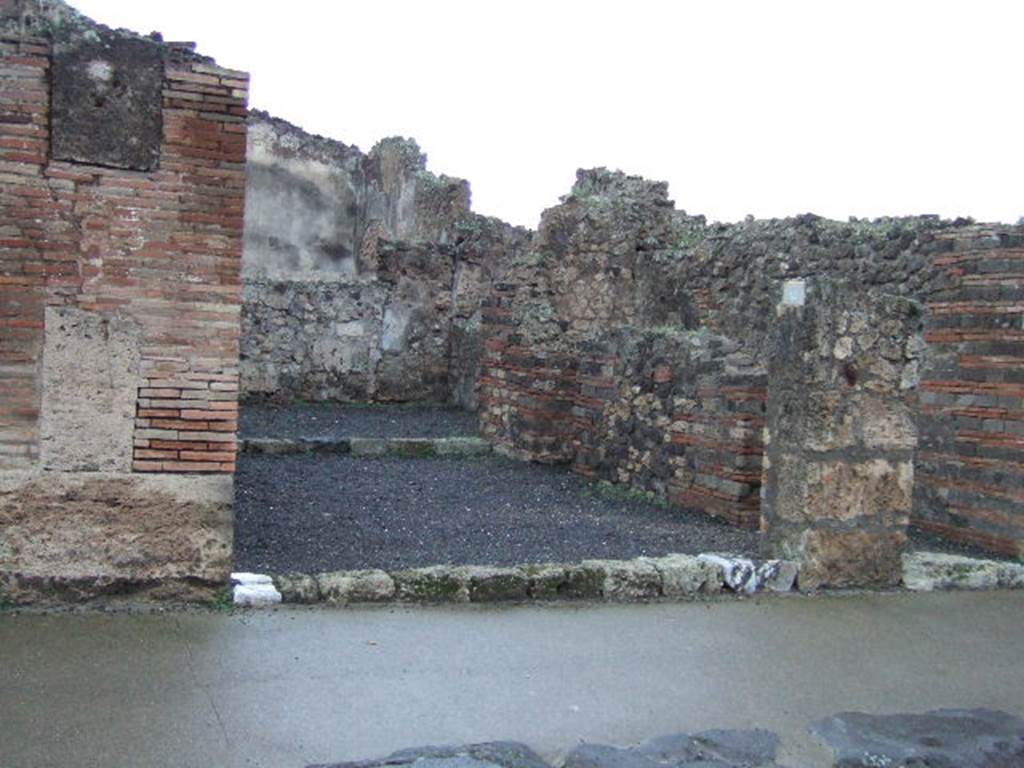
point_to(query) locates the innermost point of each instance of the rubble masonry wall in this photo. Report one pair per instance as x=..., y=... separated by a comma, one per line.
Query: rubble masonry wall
x=363, y=273
x=616, y=258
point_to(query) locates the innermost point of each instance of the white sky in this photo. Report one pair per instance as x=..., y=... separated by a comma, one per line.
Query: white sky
x=837, y=107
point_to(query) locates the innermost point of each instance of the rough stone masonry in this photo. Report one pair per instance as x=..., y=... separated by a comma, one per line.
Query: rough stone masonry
x=633, y=340
x=363, y=273
x=626, y=337
x=840, y=437
x=161, y=249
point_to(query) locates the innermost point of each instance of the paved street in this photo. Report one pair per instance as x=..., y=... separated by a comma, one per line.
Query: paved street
x=299, y=686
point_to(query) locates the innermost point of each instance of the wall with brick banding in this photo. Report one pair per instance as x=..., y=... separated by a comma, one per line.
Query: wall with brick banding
x=970, y=464
x=675, y=413
x=615, y=261
x=120, y=292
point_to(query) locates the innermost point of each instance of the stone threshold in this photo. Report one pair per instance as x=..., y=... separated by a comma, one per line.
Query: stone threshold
x=675, y=576
x=405, y=447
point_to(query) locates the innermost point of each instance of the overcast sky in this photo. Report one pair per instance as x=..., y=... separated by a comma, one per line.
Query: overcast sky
x=766, y=108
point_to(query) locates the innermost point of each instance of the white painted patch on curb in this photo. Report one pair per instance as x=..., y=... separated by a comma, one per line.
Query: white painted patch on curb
x=741, y=574
x=254, y=589
x=251, y=578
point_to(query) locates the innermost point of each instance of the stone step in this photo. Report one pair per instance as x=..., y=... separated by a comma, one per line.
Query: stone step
x=405, y=447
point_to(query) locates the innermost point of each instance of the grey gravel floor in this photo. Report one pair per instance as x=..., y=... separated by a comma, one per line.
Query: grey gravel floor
x=313, y=513
x=330, y=420
x=322, y=512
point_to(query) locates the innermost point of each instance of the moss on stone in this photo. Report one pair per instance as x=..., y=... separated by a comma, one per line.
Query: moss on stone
x=440, y=584
x=297, y=588
x=561, y=582
x=490, y=585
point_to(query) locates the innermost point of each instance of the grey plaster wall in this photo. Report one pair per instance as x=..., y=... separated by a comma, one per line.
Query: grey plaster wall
x=303, y=201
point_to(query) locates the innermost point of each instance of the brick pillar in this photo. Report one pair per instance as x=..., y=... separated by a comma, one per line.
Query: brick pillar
x=527, y=392
x=122, y=175
x=840, y=437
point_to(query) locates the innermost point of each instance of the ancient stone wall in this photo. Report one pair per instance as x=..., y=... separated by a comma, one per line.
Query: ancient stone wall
x=734, y=273
x=122, y=163
x=624, y=337
x=676, y=413
x=594, y=265
x=840, y=435
x=363, y=273
x=615, y=257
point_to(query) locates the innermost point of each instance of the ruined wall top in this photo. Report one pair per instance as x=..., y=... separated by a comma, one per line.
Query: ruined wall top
x=316, y=206
x=57, y=21
x=107, y=85
x=616, y=251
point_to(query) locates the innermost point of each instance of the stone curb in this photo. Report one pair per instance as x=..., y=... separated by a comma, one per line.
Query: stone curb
x=930, y=571
x=674, y=576
x=405, y=447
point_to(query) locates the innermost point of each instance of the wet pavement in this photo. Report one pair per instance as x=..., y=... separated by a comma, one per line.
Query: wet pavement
x=295, y=687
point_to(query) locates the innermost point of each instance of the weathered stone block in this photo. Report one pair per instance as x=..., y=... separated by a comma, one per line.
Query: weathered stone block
x=851, y=558
x=687, y=575
x=557, y=582
x=488, y=585
x=718, y=749
x=91, y=381
x=81, y=535
x=461, y=446
x=627, y=579
x=298, y=588
x=437, y=584
x=343, y=587
x=838, y=477
x=846, y=489
x=928, y=571
x=958, y=738
x=494, y=754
